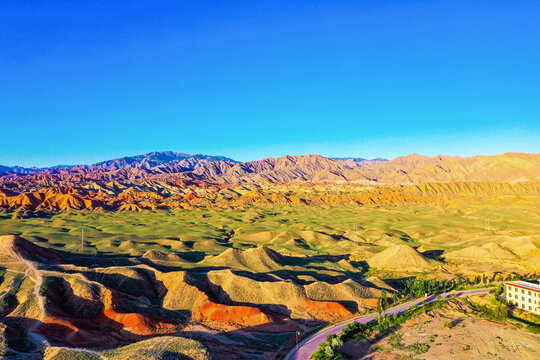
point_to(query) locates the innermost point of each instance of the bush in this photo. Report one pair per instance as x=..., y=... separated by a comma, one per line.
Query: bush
x=396, y=341
x=330, y=349
x=336, y=342
x=500, y=312
x=418, y=348
x=535, y=329
x=448, y=324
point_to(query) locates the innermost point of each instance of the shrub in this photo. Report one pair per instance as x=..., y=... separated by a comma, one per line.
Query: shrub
x=500, y=312
x=418, y=348
x=535, y=329
x=336, y=342
x=396, y=341
x=448, y=324
x=329, y=351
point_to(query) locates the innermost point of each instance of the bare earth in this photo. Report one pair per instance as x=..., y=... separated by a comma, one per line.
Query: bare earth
x=469, y=338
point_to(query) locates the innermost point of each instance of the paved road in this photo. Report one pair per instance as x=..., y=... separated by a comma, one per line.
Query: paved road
x=310, y=344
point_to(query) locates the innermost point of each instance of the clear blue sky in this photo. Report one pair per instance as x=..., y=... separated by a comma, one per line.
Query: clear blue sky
x=84, y=81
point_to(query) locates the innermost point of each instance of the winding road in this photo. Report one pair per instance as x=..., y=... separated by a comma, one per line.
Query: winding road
x=311, y=343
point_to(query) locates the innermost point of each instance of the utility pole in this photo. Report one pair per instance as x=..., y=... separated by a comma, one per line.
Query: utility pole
x=82, y=239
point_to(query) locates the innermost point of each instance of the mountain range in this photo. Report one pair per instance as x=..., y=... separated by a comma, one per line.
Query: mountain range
x=144, y=161
x=172, y=180
x=403, y=170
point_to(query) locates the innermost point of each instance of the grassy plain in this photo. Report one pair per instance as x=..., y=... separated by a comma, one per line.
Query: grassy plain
x=196, y=278
x=358, y=231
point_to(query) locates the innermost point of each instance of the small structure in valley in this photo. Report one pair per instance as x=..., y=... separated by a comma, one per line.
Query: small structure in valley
x=526, y=295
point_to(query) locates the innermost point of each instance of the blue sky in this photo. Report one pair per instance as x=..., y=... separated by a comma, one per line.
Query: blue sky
x=88, y=81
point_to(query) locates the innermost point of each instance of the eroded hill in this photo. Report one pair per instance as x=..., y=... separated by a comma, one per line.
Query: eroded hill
x=57, y=299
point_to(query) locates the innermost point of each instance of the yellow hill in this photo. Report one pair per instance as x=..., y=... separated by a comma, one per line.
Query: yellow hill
x=259, y=259
x=485, y=253
x=401, y=257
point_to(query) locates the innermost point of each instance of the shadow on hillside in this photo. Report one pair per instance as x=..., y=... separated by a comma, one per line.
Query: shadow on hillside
x=433, y=254
x=96, y=333
x=98, y=260
x=218, y=295
x=192, y=256
x=398, y=282
x=308, y=259
x=9, y=300
x=362, y=349
x=318, y=276
x=274, y=338
x=145, y=287
x=15, y=334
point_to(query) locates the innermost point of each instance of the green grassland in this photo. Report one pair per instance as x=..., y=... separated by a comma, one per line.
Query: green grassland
x=340, y=241
x=294, y=229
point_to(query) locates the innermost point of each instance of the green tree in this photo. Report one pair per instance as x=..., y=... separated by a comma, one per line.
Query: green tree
x=336, y=342
x=500, y=312
x=329, y=351
x=384, y=300
x=379, y=310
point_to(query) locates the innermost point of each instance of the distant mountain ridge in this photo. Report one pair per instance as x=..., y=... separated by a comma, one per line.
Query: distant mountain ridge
x=179, y=181
x=403, y=170
x=180, y=161
x=283, y=169
x=17, y=169
x=157, y=158
x=360, y=162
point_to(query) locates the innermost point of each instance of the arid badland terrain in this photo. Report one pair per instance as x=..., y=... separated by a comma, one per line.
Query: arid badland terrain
x=203, y=257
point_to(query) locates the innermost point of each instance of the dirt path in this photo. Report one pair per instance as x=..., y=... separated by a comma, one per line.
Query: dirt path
x=38, y=282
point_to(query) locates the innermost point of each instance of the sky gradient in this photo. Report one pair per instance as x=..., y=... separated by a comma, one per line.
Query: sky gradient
x=85, y=82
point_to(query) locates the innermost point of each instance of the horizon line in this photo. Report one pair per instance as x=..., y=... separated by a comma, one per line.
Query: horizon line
x=59, y=165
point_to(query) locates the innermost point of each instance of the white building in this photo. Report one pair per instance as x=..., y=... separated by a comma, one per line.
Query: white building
x=524, y=294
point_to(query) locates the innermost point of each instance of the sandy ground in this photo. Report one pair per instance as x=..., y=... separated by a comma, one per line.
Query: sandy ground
x=469, y=338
